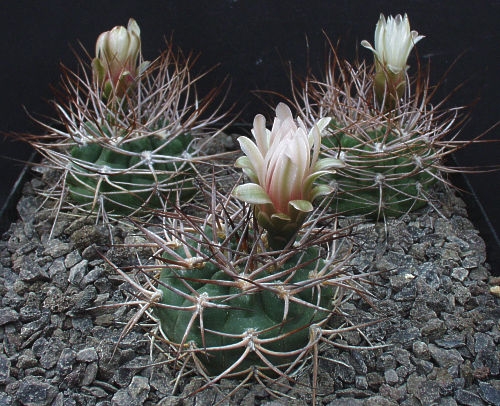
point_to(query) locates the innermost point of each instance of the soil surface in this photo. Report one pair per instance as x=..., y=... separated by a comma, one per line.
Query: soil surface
x=62, y=317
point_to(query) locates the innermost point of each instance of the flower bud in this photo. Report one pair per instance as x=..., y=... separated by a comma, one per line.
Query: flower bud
x=116, y=63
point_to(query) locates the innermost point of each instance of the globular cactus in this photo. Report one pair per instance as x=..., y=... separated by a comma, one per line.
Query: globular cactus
x=383, y=126
x=236, y=297
x=236, y=306
x=249, y=289
x=129, y=133
x=229, y=306
x=388, y=171
x=135, y=174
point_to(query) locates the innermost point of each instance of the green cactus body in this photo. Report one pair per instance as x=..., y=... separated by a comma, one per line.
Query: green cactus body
x=260, y=309
x=125, y=177
x=384, y=173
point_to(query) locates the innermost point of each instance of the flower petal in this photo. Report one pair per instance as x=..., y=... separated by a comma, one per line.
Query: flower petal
x=303, y=206
x=260, y=133
x=255, y=157
x=308, y=183
x=325, y=164
x=244, y=163
x=321, y=190
x=323, y=123
x=251, y=193
x=283, y=112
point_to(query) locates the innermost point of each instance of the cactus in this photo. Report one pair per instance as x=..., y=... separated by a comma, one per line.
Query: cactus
x=240, y=299
x=249, y=289
x=134, y=175
x=230, y=306
x=393, y=147
x=239, y=308
x=250, y=285
x=128, y=141
x=385, y=174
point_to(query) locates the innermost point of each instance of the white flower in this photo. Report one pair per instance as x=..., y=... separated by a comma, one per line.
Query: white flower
x=282, y=165
x=393, y=43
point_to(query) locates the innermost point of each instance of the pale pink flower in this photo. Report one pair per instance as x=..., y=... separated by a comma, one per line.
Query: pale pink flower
x=282, y=165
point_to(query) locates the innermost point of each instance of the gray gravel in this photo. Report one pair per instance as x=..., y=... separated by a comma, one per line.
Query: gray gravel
x=438, y=318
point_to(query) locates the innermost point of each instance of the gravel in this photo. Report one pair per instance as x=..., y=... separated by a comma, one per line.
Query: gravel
x=61, y=321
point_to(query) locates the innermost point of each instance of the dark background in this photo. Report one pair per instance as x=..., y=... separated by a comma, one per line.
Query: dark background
x=254, y=41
